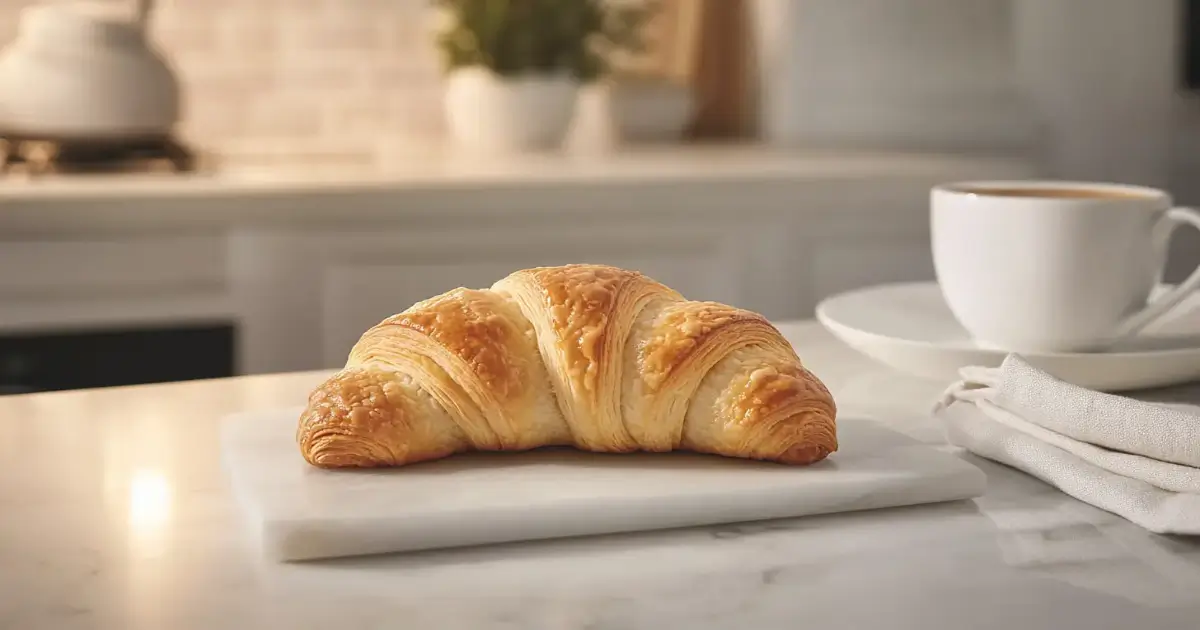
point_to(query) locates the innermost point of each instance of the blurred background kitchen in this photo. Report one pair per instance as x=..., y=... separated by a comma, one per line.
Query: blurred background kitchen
x=253, y=183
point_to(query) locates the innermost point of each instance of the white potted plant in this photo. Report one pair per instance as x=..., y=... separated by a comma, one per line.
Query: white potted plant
x=514, y=67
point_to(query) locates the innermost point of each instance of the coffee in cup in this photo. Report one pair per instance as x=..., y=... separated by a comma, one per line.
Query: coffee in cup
x=1031, y=266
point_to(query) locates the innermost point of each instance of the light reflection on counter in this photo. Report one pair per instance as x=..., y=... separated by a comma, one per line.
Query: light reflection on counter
x=149, y=505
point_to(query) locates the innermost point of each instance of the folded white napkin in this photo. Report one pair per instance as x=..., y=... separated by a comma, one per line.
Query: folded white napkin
x=1137, y=459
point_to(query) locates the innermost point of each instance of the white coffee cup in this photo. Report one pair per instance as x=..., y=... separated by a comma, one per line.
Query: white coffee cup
x=1054, y=266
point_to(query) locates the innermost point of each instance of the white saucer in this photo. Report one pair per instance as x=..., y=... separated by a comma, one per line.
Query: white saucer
x=909, y=327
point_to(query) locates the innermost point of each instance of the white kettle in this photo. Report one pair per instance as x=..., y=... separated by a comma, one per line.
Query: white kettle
x=85, y=71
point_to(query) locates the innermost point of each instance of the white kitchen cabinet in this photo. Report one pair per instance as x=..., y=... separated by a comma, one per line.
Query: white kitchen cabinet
x=332, y=287
x=305, y=297
x=303, y=262
x=101, y=280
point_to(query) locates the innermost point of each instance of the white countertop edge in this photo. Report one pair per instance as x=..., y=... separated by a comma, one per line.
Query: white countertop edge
x=648, y=185
x=440, y=171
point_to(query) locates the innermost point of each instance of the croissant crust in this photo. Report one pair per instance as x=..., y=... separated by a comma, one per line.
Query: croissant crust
x=591, y=356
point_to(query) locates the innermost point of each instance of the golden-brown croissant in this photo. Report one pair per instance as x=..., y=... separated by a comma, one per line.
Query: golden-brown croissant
x=596, y=357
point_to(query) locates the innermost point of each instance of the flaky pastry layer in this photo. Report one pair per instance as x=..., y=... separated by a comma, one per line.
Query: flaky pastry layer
x=597, y=357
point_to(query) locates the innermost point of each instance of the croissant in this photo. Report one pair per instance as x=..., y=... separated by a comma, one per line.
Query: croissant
x=590, y=356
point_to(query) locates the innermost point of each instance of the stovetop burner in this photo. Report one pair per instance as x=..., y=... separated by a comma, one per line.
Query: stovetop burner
x=40, y=155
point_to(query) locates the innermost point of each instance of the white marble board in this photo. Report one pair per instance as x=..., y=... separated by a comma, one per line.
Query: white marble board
x=302, y=513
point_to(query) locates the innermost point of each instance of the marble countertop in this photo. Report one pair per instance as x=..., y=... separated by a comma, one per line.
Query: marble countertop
x=116, y=514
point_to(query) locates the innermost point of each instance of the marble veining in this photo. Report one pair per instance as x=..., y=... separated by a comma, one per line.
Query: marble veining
x=116, y=514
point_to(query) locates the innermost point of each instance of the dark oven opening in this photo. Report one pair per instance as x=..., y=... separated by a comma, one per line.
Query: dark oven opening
x=1190, y=45
x=52, y=361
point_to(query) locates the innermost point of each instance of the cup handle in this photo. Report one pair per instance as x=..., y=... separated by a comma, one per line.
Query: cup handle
x=1174, y=218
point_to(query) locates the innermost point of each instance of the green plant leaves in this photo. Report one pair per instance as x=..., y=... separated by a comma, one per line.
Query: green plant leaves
x=515, y=37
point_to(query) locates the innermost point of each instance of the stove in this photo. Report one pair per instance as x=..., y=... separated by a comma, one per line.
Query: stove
x=31, y=155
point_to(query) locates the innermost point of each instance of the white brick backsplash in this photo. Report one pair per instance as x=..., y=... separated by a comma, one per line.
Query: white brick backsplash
x=246, y=34
x=325, y=152
x=216, y=120
x=323, y=33
x=237, y=81
x=417, y=112
x=296, y=80
x=357, y=117
x=284, y=117
x=400, y=73
x=324, y=78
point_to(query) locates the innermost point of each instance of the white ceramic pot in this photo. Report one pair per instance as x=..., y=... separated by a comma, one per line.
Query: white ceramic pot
x=85, y=70
x=501, y=115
